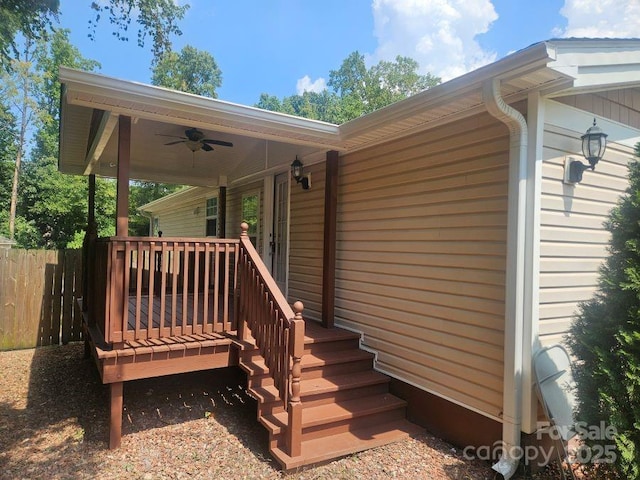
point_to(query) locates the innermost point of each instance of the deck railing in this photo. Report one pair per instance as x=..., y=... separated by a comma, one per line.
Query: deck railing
x=146, y=288
x=278, y=333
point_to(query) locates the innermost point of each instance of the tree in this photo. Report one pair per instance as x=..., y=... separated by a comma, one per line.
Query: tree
x=192, y=70
x=323, y=106
x=53, y=206
x=19, y=84
x=34, y=18
x=8, y=135
x=29, y=17
x=355, y=90
x=605, y=339
x=365, y=90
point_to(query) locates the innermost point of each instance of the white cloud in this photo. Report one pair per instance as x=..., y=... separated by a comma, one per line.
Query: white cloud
x=438, y=34
x=305, y=84
x=601, y=18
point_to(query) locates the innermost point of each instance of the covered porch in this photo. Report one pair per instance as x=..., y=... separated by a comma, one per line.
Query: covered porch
x=162, y=305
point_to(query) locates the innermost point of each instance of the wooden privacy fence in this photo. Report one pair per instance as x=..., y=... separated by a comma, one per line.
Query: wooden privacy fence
x=38, y=292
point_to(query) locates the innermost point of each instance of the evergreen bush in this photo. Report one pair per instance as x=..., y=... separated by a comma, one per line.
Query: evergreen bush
x=605, y=339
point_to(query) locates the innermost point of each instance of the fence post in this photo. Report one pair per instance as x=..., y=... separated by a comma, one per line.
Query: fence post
x=296, y=342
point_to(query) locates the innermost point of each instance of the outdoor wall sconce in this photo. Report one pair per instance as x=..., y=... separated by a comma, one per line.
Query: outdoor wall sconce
x=594, y=144
x=299, y=176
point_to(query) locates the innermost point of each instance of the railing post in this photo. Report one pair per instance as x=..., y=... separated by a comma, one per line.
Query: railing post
x=241, y=287
x=296, y=342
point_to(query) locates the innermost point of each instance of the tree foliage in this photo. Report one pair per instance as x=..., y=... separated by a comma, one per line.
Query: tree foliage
x=355, y=90
x=191, y=70
x=156, y=18
x=8, y=135
x=29, y=17
x=52, y=207
x=34, y=19
x=605, y=338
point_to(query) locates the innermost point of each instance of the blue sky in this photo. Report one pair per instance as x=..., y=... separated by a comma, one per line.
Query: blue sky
x=283, y=47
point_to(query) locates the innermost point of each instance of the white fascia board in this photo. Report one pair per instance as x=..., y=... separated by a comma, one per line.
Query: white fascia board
x=150, y=95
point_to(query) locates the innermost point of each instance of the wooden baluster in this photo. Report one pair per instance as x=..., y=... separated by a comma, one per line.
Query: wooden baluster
x=207, y=327
x=197, y=326
x=296, y=342
x=174, y=288
x=139, y=254
x=151, y=277
x=217, y=327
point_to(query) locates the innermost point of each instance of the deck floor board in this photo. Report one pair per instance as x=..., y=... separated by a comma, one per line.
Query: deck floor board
x=184, y=312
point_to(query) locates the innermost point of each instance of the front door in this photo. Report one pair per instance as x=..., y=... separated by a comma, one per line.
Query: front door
x=280, y=243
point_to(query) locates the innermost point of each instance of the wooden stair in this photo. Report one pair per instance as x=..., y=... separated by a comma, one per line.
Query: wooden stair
x=347, y=406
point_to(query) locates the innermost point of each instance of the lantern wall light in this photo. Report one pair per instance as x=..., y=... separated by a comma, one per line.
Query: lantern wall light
x=594, y=144
x=297, y=172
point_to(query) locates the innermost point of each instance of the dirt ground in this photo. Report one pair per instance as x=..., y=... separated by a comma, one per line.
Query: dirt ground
x=54, y=425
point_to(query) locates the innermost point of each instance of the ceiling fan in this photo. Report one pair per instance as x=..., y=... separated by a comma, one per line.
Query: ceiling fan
x=194, y=140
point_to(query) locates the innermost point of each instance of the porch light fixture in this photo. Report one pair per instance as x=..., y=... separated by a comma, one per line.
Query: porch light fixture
x=594, y=144
x=297, y=172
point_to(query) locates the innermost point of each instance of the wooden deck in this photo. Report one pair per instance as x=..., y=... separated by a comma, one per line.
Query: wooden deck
x=181, y=310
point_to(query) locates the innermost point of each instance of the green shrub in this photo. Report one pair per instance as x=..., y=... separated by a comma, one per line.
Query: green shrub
x=605, y=339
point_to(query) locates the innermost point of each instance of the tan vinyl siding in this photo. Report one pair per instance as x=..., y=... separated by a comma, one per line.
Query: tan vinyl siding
x=422, y=227
x=234, y=209
x=306, y=246
x=573, y=241
x=187, y=220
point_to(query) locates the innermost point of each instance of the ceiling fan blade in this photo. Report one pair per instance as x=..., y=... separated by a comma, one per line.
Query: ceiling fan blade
x=217, y=142
x=172, y=136
x=206, y=148
x=173, y=143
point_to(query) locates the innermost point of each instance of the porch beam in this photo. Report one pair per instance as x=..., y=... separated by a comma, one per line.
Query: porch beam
x=329, y=244
x=124, y=164
x=102, y=126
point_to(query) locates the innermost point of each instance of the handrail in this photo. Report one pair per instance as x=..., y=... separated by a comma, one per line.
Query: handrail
x=162, y=286
x=278, y=332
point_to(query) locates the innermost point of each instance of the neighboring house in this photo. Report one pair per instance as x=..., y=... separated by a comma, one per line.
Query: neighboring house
x=439, y=228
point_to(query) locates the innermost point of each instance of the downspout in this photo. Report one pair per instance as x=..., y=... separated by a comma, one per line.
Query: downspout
x=514, y=289
x=148, y=216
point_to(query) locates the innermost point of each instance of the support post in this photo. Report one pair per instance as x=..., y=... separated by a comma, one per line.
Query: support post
x=294, y=409
x=330, y=229
x=124, y=163
x=88, y=249
x=115, y=417
x=222, y=212
x=240, y=306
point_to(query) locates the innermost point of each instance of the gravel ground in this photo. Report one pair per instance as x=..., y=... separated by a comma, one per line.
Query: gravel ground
x=53, y=425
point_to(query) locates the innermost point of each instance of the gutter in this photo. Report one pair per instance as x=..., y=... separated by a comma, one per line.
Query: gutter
x=515, y=276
